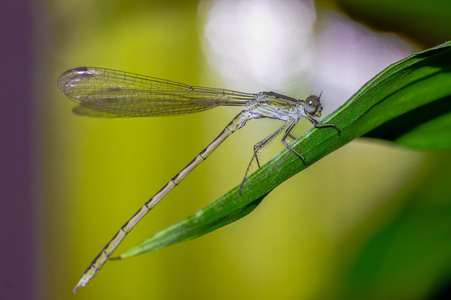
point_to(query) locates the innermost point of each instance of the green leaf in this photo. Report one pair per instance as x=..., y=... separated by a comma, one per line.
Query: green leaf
x=401, y=104
x=425, y=128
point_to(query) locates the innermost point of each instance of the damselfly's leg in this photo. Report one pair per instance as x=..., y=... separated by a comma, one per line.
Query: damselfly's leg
x=291, y=136
x=317, y=125
x=287, y=134
x=258, y=147
x=328, y=125
x=284, y=142
x=290, y=128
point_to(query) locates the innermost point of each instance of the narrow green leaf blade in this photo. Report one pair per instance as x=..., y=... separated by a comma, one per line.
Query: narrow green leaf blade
x=194, y=226
x=425, y=128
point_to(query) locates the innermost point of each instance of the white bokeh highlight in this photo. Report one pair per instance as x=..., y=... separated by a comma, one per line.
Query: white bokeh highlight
x=283, y=46
x=259, y=44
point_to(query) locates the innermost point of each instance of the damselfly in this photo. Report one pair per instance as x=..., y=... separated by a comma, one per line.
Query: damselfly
x=110, y=93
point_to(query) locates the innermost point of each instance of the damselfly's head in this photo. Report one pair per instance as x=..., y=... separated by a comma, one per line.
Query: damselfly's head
x=312, y=106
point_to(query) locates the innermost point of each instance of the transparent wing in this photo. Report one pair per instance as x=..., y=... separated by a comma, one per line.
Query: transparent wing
x=116, y=93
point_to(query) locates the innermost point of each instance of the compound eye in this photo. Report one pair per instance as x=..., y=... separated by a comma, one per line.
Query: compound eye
x=313, y=106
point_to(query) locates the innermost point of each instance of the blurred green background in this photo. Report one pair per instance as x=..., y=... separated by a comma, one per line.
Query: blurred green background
x=371, y=221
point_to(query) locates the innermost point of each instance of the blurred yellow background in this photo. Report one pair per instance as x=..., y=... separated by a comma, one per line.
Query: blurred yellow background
x=305, y=237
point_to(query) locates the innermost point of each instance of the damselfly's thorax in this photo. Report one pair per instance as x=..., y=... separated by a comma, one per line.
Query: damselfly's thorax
x=270, y=105
x=278, y=106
